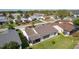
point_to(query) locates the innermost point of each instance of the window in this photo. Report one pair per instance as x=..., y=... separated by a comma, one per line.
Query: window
x=65, y=32
x=45, y=36
x=36, y=40
x=54, y=33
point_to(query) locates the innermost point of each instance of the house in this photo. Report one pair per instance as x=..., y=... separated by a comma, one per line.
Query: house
x=43, y=31
x=68, y=18
x=3, y=20
x=49, y=18
x=66, y=25
x=75, y=13
x=26, y=19
x=7, y=36
x=40, y=32
x=37, y=16
x=15, y=15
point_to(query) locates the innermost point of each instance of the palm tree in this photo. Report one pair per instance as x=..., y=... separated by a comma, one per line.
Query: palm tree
x=18, y=17
x=62, y=13
x=10, y=16
x=33, y=22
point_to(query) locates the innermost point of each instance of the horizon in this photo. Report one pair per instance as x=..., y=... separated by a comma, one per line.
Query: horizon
x=33, y=9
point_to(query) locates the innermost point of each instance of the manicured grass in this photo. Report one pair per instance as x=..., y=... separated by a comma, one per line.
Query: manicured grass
x=58, y=42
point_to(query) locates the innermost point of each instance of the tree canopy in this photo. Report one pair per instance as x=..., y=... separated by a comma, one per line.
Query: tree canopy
x=76, y=22
x=62, y=13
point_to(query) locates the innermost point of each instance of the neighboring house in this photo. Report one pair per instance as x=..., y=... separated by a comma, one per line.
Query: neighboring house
x=43, y=31
x=26, y=19
x=49, y=18
x=3, y=20
x=75, y=13
x=52, y=17
x=15, y=15
x=68, y=18
x=9, y=35
x=37, y=16
x=66, y=25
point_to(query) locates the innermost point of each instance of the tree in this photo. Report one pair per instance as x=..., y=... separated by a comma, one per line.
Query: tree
x=76, y=22
x=23, y=39
x=19, y=11
x=11, y=25
x=27, y=14
x=11, y=45
x=11, y=16
x=33, y=22
x=62, y=13
x=18, y=17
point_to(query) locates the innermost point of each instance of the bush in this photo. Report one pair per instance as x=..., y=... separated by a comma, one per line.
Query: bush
x=76, y=22
x=53, y=42
x=11, y=25
x=11, y=45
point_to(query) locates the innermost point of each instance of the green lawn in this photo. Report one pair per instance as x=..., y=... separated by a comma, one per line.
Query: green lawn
x=58, y=42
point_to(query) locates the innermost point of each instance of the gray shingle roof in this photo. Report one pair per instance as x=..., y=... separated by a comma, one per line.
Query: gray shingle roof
x=32, y=35
x=3, y=19
x=9, y=35
x=45, y=29
x=42, y=30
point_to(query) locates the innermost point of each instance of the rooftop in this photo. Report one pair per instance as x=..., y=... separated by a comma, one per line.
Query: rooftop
x=7, y=36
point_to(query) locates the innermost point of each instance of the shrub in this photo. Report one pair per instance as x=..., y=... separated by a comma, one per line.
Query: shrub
x=23, y=39
x=10, y=26
x=53, y=42
x=76, y=22
x=11, y=45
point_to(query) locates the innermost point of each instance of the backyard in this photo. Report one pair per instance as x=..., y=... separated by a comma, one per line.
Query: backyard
x=58, y=42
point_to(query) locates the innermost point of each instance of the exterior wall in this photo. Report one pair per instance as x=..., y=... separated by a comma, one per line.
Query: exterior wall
x=46, y=36
x=43, y=37
x=68, y=33
x=37, y=40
